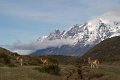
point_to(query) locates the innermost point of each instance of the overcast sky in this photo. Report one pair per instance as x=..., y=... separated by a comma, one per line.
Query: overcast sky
x=26, y=20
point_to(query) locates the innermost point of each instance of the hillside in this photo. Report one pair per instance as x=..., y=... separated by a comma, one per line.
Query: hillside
x=65, y=50
x=7, y=57
x=4, y=51
x=107, y=50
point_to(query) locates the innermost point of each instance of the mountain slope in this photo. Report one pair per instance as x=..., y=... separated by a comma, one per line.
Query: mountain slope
x=78, y=39
x=63, y=50
x=5, y=56
x=8, y=58
x=107, y=50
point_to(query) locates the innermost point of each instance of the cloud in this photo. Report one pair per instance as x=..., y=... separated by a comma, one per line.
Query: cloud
x=108, y=17
x=112, y=15
x=54, y=43
x=57, y=11
x=21, y=12
x=27, y=48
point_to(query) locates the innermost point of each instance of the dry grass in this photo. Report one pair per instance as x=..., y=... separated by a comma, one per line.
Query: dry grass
x=111, y=72
x=68, y=72
x=24, y=73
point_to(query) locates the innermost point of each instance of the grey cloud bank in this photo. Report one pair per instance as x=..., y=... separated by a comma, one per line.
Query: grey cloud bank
x=24, y=48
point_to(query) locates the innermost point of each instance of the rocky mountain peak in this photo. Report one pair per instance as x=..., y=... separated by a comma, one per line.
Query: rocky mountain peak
x=85, y=35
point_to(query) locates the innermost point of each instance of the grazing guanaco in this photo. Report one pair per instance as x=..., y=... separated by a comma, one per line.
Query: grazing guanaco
x=93, y=62
x=20, y=60
x=44, y=61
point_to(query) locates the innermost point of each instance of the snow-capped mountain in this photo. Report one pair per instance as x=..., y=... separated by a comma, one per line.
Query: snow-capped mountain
x=83, y=37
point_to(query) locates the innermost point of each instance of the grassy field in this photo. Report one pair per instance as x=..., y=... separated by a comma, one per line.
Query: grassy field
x=68, y=72
x=24, y=73
x=111, y=72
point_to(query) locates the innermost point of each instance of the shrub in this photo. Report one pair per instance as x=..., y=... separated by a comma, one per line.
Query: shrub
x=51, y=69
x=5, y=59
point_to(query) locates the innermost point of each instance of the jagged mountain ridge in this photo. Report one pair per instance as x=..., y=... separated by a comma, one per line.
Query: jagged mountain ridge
x=87, y=31
x=84, y=36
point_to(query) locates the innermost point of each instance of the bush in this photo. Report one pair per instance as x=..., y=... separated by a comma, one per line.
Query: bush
x=4, y=59
x=51, y=69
